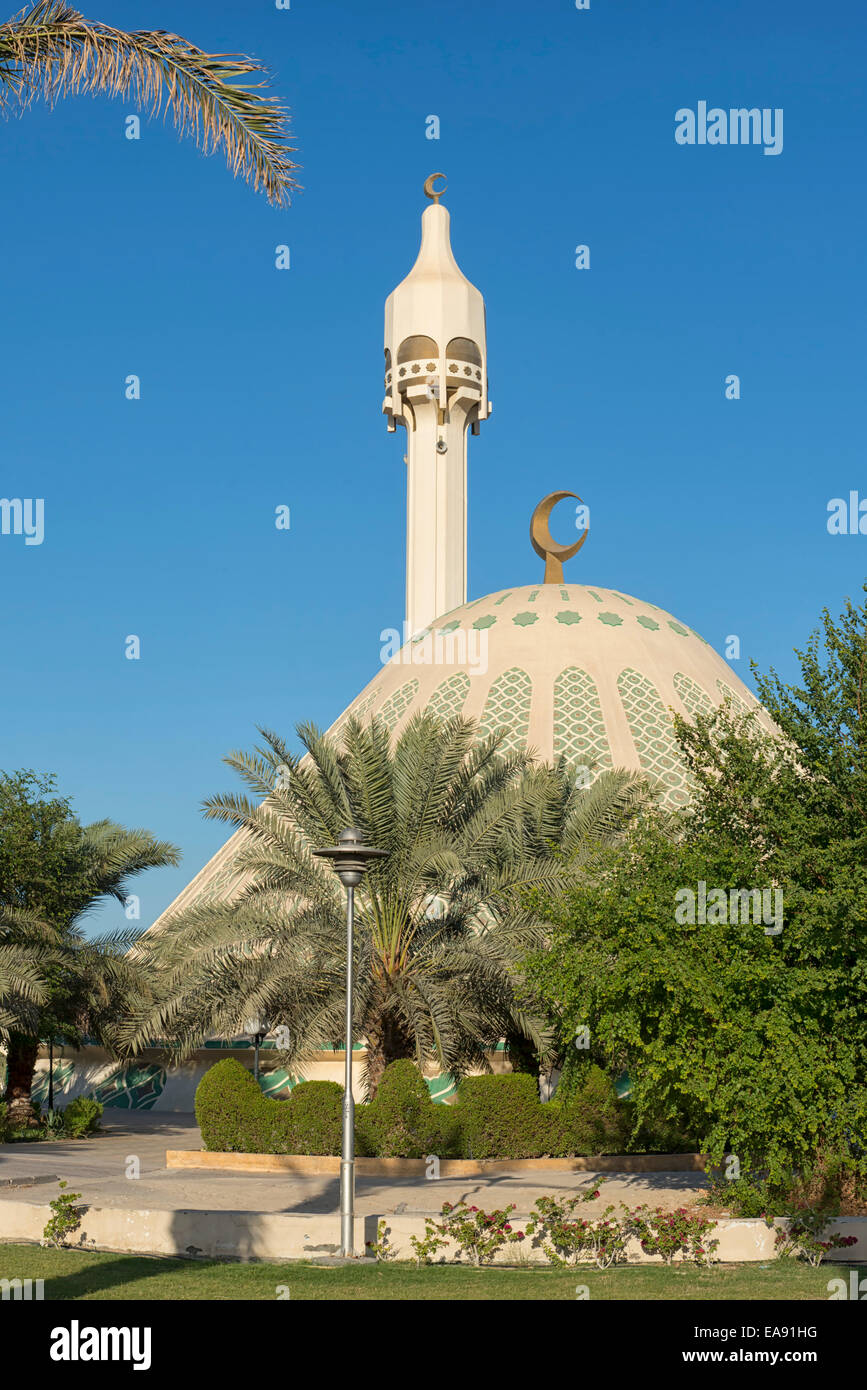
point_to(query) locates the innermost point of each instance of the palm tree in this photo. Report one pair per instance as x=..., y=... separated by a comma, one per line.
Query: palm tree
x=579, y=818
x=24, y=951
x=57, y=980
x=441, y=921
x=574, y=820
x=49, y=50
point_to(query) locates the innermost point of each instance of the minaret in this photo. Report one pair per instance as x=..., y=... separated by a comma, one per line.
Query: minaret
x=436, y=384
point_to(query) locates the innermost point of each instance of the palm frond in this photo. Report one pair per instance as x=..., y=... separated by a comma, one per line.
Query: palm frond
x=51, y=51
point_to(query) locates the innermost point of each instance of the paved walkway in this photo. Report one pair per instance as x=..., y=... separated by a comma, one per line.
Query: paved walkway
x=98, y=1168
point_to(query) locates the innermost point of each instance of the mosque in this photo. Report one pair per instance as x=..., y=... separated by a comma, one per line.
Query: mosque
x=566, y=669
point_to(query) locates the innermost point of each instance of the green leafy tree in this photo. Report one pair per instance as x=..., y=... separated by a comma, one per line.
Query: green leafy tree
x=49, y=50
x=751, y=1039
x=53, y=978
x=439, y=922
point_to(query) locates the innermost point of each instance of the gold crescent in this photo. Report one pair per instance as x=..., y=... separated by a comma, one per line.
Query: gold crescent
x=544, y=543
x=429, y=189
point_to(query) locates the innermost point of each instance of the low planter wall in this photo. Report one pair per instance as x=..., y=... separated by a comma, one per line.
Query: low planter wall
x=449, y=1167
x=237, y=1235
x=222, y=1235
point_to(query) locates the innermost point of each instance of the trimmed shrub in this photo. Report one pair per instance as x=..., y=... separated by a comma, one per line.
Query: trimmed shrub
x=82, y=1116
x=226, y=1108
x=593, y=1120
x=235, y=1117
x=502, y=1117
x=363, y=1146
x=495, y=1117
x=558, y=1133
x=401, y=1120
x=446, y=1136
x=315, y=1116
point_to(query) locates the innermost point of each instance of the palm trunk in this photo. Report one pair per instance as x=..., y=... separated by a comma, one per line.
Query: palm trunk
x=376, y=1061
x=522, y=1055
x=20, y=1066
x=387, y=1042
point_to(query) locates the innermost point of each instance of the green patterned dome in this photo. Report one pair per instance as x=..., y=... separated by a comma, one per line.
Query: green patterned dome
x=589, y=673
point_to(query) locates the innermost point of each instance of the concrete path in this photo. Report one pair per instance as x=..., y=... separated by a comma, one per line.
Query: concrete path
x=123, y=1132
x=99, y=1168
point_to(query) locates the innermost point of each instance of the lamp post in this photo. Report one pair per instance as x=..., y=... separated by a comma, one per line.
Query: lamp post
x=349, y=858
x=257, y=1028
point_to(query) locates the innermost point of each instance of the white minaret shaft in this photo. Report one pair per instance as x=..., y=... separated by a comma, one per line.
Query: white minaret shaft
x=437, y=387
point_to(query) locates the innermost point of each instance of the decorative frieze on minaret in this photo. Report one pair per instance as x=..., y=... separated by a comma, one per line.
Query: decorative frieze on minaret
x=436, y=385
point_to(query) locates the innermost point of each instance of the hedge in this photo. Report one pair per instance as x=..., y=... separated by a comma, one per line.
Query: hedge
x=502, y=1117
x=235, y=1117
x=402, y=1121
x=495, y=1117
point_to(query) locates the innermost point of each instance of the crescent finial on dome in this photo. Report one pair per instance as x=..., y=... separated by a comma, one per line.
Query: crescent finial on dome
x=544, y=543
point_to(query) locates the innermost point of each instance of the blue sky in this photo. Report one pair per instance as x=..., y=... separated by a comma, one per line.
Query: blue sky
x=262, y=387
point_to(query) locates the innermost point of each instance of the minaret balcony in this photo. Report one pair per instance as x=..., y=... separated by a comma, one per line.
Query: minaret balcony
x=458, y=373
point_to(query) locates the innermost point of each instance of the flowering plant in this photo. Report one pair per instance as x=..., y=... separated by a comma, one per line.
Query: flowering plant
x=478, y=1234
x=566, y=1238
x=805, y=1235
x=433, y=1241
x=671, y=1233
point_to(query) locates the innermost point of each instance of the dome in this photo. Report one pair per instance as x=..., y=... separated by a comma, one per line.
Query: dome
x=589, y=673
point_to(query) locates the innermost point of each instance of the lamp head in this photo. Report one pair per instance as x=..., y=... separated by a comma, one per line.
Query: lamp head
x=256, y=1026
x=350, y=856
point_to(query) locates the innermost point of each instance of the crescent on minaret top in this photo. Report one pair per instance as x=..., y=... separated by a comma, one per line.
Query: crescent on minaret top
x=434, y=193
x=544, y=543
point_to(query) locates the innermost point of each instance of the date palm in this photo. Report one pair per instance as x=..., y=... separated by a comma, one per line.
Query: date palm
x=25, y=949
x=440, y=922
x=580, y=816
x=53, y=978
x=51, y=51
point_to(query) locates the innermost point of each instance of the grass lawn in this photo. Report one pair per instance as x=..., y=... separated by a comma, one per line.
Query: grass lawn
x=79, y=1274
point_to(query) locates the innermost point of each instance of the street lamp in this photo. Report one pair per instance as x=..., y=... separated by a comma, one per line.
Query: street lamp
x=257, y=1028
x=51, y=1074
x=349, y=858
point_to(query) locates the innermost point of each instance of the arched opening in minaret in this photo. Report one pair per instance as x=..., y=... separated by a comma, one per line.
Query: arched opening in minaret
x=465, y=349
x=411, y=349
